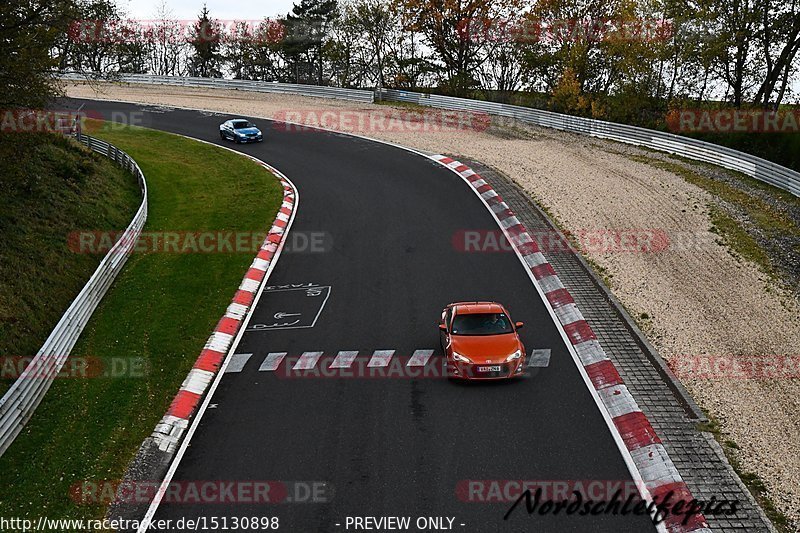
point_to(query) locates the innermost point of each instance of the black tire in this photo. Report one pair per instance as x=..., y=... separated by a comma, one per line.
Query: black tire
x=222, y=135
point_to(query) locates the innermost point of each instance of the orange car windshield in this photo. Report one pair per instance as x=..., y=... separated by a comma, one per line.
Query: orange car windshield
x=481, y=324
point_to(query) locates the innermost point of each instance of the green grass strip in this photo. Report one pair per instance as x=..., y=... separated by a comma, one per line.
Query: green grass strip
x=772, y=221
x=49, y=187
x=160, y=311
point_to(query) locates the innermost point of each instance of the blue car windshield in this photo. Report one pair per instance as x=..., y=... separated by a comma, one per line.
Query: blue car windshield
x=242, y=124
x=481, y=324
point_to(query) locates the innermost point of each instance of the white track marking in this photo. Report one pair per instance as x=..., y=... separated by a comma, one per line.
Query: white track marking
x=539, y=358
x=289, y=325
x=197, y=380
x=249, y=285
x=321, y=307
x=344, y=359
x=548, y=284
x=238, y=360
x=272, y=361
x=420, y=358
x=219, y=342
x=176, y=461
x=236, y=311
x=260, y=264
x=626, y=455
x=307, y=361
x=380, y=358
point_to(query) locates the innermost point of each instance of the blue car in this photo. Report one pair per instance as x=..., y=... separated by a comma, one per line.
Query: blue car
x=240, y=130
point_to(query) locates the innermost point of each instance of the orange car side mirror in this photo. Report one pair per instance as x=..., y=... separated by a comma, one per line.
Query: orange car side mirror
x=519, y=324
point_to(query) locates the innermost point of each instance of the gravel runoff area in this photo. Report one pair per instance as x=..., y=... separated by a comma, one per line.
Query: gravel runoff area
x=691, y=299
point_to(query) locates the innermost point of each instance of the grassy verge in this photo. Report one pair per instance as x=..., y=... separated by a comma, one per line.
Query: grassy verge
x=737, y=238
x=770, y=221
x=160, y=311
x=753, y=483
x=49, y=187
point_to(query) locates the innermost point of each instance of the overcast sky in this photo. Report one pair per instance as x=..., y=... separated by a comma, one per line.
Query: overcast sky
x=220, y=9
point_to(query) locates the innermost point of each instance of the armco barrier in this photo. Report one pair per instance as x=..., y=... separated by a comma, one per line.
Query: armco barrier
x=747, y=164
x=316, y=91
x=20, y=401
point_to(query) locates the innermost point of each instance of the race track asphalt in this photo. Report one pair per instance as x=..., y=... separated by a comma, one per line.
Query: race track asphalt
x=393, y=445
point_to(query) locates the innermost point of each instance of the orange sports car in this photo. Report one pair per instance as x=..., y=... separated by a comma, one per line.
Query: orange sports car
x=480, y=341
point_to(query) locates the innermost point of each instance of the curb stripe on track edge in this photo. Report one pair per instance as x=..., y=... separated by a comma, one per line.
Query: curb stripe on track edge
x=655, y=467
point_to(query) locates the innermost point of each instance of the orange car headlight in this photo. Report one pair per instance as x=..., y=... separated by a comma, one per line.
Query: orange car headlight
x=460, y=358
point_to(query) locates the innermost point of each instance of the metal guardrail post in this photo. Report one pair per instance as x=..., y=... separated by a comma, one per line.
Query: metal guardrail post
x=315, y=91
x=750, y=165
x=20, y=401
x=755, y=167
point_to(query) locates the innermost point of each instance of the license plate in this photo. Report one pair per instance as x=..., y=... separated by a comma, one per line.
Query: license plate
x=489, y=368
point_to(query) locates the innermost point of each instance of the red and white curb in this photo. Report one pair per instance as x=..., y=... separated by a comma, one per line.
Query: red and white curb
x=169, y=431
x=650, y=458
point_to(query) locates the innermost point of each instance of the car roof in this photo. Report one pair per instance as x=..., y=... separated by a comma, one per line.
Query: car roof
x=465, y=308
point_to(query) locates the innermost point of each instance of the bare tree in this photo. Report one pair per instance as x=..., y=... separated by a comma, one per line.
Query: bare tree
x=169, y=44
x=504, y=69
x=447, y=28
x=376, y=21
x=780, y=42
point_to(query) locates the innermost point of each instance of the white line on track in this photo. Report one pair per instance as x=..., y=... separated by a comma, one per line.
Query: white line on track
x=238, y=360
x=420, y=358
x=571, y=349
x=344, y=359
x=272, y=361
x=307, y=361
x=173, y=467
x=380, y=358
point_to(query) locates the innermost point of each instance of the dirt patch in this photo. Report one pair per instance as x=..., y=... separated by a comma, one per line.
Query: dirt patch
x=696, y=297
